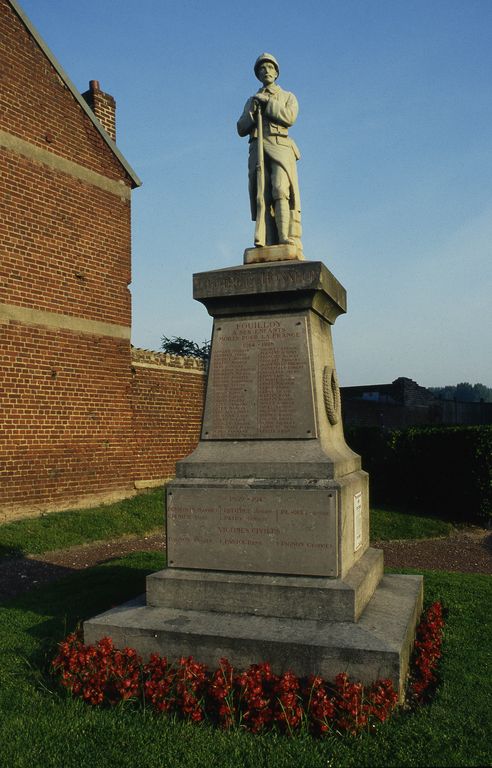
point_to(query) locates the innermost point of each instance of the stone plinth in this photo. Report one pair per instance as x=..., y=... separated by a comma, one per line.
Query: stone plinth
x=323, y=599
x=268, y=519
x=378, y=645
x=306, y=527
x=272, y=487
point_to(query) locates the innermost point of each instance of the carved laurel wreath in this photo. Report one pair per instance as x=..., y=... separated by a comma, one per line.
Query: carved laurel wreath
x=331, y=392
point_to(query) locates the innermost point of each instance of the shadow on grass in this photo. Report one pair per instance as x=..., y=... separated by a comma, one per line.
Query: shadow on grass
x=19, y=574
x=66, y=603
x=10, y=551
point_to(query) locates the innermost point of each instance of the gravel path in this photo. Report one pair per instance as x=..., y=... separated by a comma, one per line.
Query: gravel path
x=465, y=551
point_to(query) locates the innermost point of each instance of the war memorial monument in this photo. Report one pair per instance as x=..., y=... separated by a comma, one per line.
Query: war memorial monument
x=268, y=519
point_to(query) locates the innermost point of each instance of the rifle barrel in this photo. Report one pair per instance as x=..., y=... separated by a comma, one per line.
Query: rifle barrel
x=260, y=229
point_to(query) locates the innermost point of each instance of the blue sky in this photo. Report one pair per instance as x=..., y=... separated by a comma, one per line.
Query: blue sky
x=395, y=134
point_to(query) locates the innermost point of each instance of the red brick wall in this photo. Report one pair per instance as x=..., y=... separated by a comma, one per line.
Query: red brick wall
x=66, y=412
x=64, y=243
x=65, y=385
x=167, y=409
x=79, y=428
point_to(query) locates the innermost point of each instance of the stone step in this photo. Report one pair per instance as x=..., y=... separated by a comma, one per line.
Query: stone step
x=377, y=646
x=299, y=597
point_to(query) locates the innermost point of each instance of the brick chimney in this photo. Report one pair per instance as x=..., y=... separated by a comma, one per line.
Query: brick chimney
x=104, y=107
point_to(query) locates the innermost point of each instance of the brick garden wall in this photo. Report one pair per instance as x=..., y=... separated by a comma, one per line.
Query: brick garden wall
x=84, y=425
x=168, y=396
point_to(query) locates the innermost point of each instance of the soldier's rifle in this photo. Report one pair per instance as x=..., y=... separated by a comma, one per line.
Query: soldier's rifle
x=260, y=229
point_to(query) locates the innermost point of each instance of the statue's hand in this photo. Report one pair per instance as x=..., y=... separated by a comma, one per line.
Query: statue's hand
x=261, y=98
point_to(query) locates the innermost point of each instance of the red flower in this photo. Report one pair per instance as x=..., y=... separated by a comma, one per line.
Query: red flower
x=255, y=699
x=427, y=652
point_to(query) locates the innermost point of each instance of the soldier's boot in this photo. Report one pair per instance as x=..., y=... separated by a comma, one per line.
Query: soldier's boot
x=282, y=221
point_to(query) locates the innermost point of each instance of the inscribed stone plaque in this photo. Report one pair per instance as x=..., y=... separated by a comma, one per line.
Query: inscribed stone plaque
x=260, y=530
x=260, y=383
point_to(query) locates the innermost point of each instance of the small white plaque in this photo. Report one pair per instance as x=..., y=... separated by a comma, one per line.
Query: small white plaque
x=357, y=520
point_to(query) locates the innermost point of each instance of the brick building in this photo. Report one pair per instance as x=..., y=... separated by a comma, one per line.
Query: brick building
x=72, y=403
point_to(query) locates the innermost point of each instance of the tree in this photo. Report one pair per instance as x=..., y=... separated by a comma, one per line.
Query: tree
x=179, y=346
x=444, y=393
x=464, y=392
x=482, y=393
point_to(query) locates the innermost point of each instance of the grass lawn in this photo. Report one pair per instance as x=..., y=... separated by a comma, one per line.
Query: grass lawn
x=41, y=727
x=389, y=524
x=60, y=530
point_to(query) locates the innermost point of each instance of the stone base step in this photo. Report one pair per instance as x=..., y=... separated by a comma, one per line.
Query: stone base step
x=297, y=597
x=377, y=646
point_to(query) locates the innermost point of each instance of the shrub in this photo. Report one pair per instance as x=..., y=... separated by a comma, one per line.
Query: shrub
x=443, y=470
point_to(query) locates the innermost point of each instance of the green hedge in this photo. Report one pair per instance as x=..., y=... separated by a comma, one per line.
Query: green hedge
x=443, y=470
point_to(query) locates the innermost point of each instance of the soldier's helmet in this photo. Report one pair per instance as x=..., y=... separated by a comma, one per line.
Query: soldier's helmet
x=266, y=57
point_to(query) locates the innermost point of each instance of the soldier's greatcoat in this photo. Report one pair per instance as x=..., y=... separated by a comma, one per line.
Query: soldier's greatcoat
x=279, y=114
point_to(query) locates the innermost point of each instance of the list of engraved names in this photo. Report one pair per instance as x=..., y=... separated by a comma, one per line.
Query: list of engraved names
x=263, y=531
x=260, y=380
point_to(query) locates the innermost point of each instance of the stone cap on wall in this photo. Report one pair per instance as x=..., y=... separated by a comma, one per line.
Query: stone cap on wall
x=148, y=357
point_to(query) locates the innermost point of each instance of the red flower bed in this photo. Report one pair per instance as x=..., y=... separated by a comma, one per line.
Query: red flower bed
x=256, y=699
x=426, y=654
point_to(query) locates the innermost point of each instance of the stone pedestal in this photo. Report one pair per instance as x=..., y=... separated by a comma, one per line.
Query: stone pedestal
x=272, y=487
x=268, y=519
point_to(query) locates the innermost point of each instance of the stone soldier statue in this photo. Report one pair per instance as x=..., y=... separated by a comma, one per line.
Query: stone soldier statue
x=266, y=118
